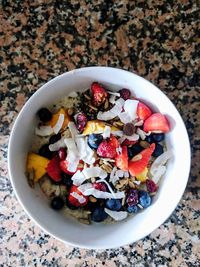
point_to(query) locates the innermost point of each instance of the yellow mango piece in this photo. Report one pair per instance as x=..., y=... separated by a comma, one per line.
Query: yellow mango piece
x=142, y=176
x=38, y=164
x=55, y=117
x=96, y=126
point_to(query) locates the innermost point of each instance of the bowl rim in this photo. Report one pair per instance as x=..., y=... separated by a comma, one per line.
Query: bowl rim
x=10, y=174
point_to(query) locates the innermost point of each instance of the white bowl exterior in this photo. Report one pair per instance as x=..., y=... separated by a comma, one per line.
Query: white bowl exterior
x=99, y=235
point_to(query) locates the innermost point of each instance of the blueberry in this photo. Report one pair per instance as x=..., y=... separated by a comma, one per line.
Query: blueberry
x=66, y=180
x=98, y=214
x=113, y=204
x=144, y=199
x=57, y=203
x=45, y=152
x=158, y=150
x=149, y=139
x=44, y=115
x=54, y=138
x=134, y=150
x=94, y=140
x=132, y=209
x=158, y=137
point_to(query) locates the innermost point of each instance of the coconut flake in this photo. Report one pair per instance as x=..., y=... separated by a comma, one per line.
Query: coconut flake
x=159, y=172
x=109, y=187
x=73, y=130
x=142, y=133
x=57, y=145
x=72, y=154
x=139, y=123
x=106, y=133
x=80, y=143
x=59, y=124
x=126, y=174
x=133, y=137
x=78, y=178
x=114, y=176
x=43, y=130
x=80, y=198
x=117, y=215
x=73, y=94
x=114, y=93
x=94, y=172
x=130, y=111
x=120, y=173
x=113, y=112
x=117, y=133
x=89, y=158
x=112, y=99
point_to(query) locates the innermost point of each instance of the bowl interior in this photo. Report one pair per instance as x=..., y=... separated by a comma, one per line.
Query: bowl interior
x=99, y=235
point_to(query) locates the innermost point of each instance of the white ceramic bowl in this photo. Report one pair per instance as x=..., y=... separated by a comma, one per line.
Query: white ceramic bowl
x=99, y=236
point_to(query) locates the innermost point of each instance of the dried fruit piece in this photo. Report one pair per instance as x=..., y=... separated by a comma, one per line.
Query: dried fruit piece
x=157, y=122
x=136, y=167
x=129, y=129
x=121, y=160
x=125, y=93
x=143, y=111
x=100, y=186
x=81, y=121
x=151, y=186
x=99, y=94
x=132, y=197
x=37, y=164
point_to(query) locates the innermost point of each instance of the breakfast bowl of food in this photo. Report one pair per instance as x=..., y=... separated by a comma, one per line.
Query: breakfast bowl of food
x=99, y=157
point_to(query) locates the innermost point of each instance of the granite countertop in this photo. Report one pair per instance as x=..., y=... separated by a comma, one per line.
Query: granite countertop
x=156, y=39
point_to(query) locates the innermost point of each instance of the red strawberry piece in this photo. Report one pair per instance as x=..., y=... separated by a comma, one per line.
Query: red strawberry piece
x=151, y=186
x=157, y=122
x=64, y=167
x=107, y=148
x=121, y=160
x=76, y=198
x=53, y=169
x=100, y=186
x=143, y=111
x=136, y=167
x=99, y=94
x=128, y=143
x=125, y=93
x=62, y=153
x=81, y=121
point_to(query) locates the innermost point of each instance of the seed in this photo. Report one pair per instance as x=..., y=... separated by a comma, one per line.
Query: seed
x=131, y=184
x=137, y=157
x=70, y=111
x=129, y=129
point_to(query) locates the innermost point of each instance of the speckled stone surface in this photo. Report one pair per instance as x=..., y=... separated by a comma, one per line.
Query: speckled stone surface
x=156, y=39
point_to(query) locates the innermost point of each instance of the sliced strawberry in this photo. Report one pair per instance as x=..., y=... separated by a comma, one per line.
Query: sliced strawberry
x=128, y=142
x=107, y=148
x=143, y=111
x=53, y=169
x=156, y=122
x=136, y=167
x=64, y=167
x=76, y=198
x=100, y=186
x=99, y=94
x=121, y=160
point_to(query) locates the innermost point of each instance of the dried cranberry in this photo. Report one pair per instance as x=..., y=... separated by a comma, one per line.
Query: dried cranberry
x=132, y=197
x=125, y=93
x=62, y=153
x=151, y=186
x=100, y=186
x=129, y=129
x=81, y=121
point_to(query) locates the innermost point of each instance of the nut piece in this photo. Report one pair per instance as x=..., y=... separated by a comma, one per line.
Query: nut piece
x=131, y=184
x=92, y=199
x=84, y=221
x=106, y=168
x=122, y=184
x=106, y=104
x=129, y=129
x=144, y=144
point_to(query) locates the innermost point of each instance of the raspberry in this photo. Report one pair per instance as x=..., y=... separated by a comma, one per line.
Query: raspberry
x=125, y=93
x=100, y=186
x=132, y=197
x=81, y=121
x=151, y=186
